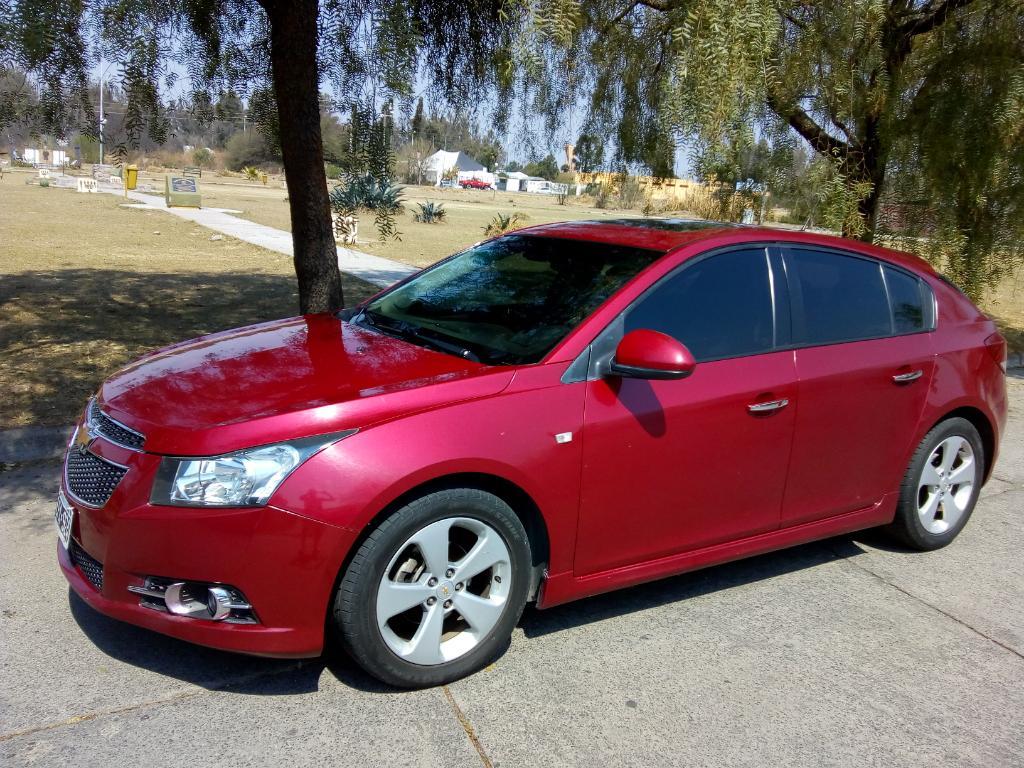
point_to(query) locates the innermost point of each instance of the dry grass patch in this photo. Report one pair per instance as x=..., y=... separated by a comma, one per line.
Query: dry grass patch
x=86, y=286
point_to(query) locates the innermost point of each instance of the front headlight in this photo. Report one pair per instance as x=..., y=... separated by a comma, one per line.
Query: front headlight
x=247, y=478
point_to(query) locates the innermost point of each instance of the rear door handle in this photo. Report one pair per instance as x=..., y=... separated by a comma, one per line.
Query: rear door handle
x=903, y=378
x=768, y=407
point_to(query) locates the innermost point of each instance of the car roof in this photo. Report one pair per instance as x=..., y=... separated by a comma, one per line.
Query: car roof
x=669, y=234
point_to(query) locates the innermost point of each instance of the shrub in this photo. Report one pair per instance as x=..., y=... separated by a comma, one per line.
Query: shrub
x=364, y=193
x=251, y=172
x=248, y=148
x=202, y=158
x=333, y=171
x=430, y=213
x=502, y=223
x=630, y=194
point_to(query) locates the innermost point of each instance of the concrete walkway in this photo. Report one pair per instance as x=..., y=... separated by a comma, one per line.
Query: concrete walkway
x=372, y=269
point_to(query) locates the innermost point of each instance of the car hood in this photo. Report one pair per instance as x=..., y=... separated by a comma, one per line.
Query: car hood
x=282, y=380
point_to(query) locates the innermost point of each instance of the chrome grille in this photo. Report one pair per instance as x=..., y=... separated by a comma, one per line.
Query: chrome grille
x=114, y=431
x=90, y=479
x=90, y=568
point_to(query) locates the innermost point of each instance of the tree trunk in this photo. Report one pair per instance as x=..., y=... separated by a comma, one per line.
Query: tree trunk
x=293, y=44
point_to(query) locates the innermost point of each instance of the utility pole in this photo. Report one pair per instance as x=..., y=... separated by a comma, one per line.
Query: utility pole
x=103, y=120
x=101, y=113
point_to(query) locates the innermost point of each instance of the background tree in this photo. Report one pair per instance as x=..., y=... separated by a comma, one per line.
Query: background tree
x=862, y=82
x=546, y=168
x=417, y=120
x=589, y=153
x=275, y=53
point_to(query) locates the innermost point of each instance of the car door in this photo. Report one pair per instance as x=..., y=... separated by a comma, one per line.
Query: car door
x=674, y=465
x=864, y=362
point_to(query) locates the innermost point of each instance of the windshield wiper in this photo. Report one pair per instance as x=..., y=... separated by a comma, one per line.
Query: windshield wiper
x=411, y=332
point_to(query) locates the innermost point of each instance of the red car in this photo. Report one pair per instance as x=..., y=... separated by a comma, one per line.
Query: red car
x=474, y=184
x=558, y=412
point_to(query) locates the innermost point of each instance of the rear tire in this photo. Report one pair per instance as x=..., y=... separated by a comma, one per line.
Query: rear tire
x=941, y=486
x=435, y=590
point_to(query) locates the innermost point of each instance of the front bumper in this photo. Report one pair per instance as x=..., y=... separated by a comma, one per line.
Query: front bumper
x=285, y=564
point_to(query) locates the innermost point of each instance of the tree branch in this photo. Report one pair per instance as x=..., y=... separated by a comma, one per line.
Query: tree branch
x=820, y=139
x=935, y=17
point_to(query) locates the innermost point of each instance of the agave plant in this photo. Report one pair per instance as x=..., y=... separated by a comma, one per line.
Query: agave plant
x=251, y=172
x=430, y=213
x=364, y=193
x=503, y=223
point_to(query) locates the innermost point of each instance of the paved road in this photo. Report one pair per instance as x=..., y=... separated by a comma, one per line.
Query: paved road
x=844, y=652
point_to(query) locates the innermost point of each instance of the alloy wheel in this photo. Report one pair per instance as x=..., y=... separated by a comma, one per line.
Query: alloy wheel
x=444, y=590
x=946, y=484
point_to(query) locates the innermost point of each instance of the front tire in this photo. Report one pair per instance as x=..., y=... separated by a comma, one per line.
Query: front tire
x=434, y=591
x=941, y=487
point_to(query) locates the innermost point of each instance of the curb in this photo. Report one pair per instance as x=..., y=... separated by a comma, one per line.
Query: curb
x=33, y=443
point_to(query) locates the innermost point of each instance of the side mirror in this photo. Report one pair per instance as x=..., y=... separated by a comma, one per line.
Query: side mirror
x=646, y=354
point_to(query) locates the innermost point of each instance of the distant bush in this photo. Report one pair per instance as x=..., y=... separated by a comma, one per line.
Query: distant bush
x=248, y=148
x=624, y=193
x=630, y=194
x=430, y=213
x=333, y=171
x=503, y=223
x=251, y=172
x=202, y=157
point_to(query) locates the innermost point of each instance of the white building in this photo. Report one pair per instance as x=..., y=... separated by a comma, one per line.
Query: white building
x=442, y=161
x=513, y=182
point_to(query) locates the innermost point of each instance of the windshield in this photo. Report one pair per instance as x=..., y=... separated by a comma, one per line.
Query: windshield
x=507, y=301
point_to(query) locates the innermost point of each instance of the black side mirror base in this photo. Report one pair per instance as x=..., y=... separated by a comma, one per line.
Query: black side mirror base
x=634, y=372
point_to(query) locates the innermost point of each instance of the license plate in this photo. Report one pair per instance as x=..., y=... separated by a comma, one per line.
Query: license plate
x=64, y=516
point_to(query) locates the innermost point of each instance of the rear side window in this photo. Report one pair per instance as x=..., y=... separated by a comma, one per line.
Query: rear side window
x=843, y=297
x=718, y=307
x=911, y=302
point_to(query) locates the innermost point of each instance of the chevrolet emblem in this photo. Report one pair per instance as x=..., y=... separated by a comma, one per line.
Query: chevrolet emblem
x=83, y=439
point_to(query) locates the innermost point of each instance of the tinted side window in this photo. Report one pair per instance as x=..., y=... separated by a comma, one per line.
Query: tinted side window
x=719, y=307
x=907, y=296
x=843, y=297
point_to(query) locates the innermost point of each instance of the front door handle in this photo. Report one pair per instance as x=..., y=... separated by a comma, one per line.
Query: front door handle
x=771, y=405
x=903, y=378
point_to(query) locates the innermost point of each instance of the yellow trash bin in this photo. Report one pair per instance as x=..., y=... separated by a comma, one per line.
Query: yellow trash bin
x=131, y=176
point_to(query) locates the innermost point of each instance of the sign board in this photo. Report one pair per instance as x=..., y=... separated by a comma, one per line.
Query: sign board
x=44, y=173
x=182, y=191
x=86, y=185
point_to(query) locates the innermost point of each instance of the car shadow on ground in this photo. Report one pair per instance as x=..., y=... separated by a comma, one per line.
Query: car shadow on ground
x=248, y=675
x=536, y=623
x=212, y=669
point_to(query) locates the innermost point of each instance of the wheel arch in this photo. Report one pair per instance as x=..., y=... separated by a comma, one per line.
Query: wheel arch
x=982, y=423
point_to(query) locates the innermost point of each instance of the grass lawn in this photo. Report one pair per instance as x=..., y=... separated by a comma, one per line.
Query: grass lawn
x=468, y=212
x=86, y=286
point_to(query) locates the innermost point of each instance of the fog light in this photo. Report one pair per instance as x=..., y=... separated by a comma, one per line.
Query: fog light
x=195, y=600
x=218, y=603
x=182, y=602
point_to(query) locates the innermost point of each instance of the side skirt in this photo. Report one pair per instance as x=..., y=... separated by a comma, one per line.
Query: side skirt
x=560, y=588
